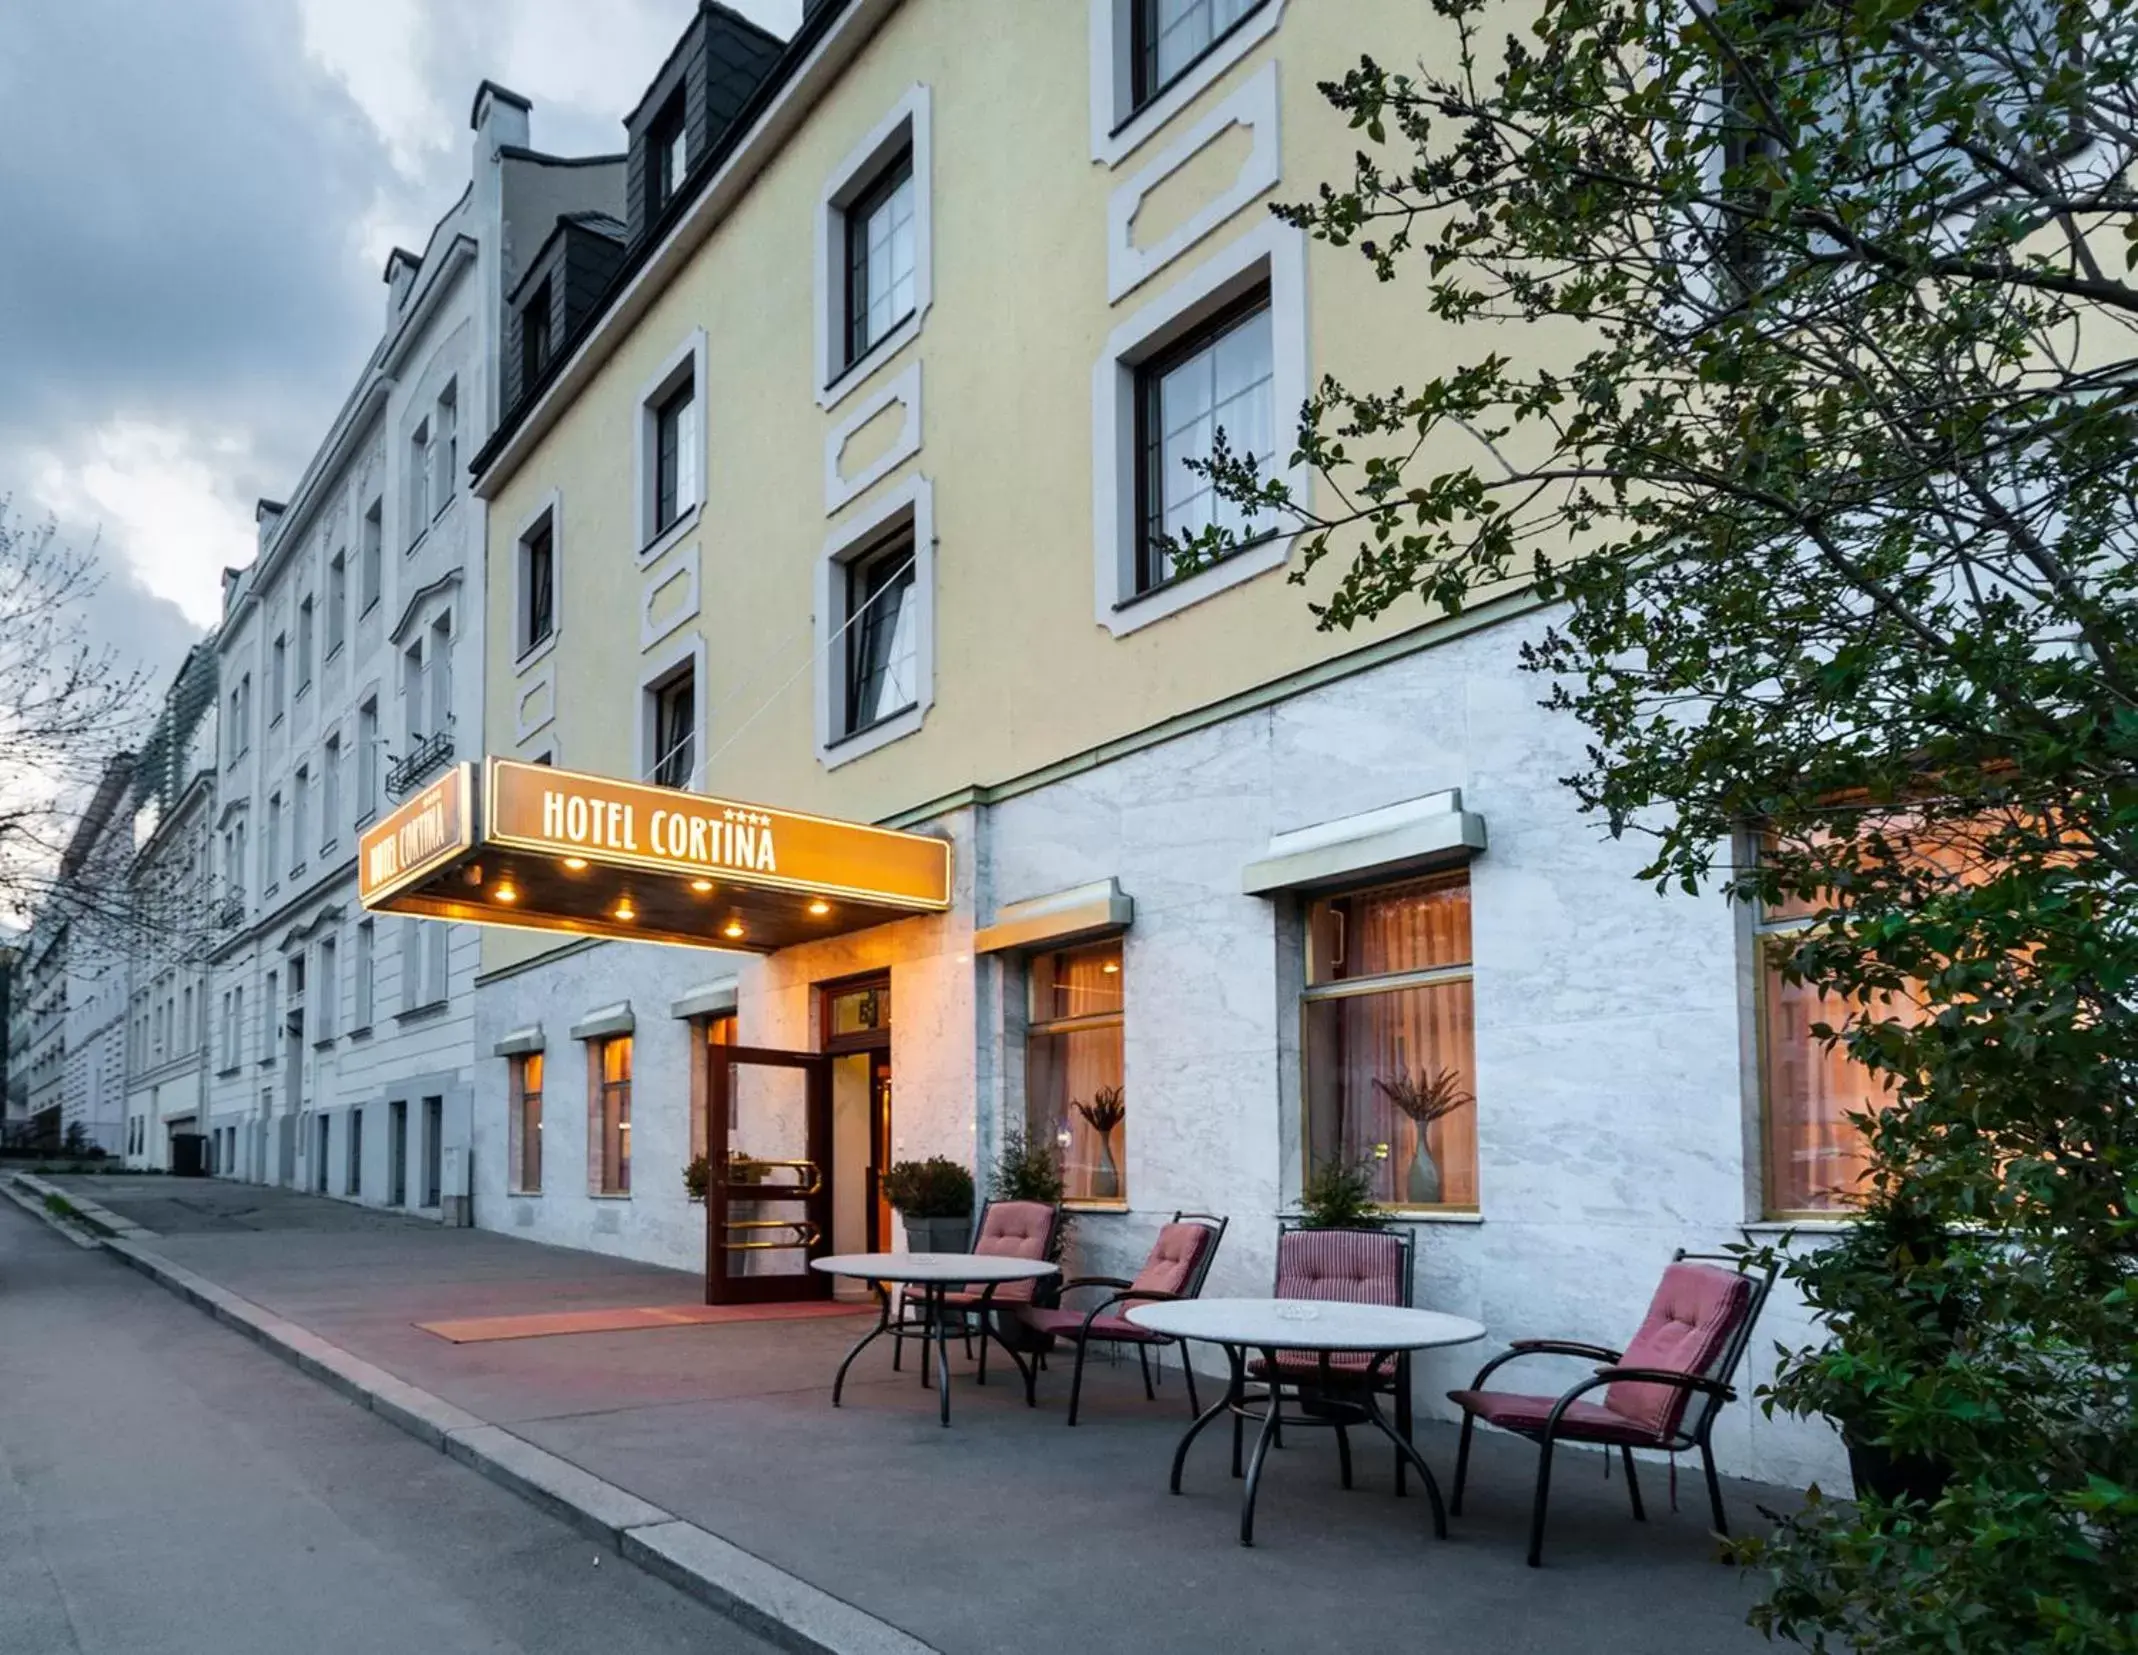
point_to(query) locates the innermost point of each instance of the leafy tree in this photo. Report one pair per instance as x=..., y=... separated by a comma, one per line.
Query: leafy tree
x=1795, y=375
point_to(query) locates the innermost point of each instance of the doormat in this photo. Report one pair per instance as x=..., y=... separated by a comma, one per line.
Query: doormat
x=477, y=1330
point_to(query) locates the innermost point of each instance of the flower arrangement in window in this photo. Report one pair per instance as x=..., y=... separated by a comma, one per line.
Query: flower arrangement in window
x=1104, y=1115
x=1426, y=1096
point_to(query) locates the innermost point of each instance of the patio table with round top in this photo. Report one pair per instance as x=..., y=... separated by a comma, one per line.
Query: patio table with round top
x=1318, y=1327
x=935, y=1274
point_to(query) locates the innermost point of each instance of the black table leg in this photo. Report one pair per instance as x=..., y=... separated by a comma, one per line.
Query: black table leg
x=1235, y=1391
x=988, y=1330
x=1372, y=1410
x=1270, y=1417
x=883, y=1325
x=942, y=1347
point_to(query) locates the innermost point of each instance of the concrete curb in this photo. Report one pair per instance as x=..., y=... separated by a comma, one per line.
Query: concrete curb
x=17, y=1190
x=98, y=1218
x=783, y=1608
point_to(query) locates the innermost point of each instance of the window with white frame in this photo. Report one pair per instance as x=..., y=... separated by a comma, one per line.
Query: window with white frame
x=337, y=603
x=300, y=813
x=438, y=669
x=445, y=447
x=670, y=446
x=271, y=843
x=1221, y=354
x=367, y=756
x=667, y=155
x=278, y=678
x=876, y=626
x=366, y=964
x=1151, y=58
x=330, y=792
x=672, y=717
x=326, y=995
x=538, y=582
x=370, y=566
x=305, y=639
x=675, y=457
x=418, y=482
x=874, y=254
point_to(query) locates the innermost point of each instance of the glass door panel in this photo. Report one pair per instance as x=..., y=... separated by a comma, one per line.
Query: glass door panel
x=768, y=1204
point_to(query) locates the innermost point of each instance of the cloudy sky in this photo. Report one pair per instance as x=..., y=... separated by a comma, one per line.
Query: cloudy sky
x=196, y=201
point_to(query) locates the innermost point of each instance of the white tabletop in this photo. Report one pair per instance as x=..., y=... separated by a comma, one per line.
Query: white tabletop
x=1305, y=1324
x=955, y=1268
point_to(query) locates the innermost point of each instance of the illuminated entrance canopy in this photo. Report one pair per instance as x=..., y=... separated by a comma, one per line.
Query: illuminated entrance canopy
x=552, y=850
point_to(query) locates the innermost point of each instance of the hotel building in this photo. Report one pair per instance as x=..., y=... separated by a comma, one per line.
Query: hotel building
x=835, y=494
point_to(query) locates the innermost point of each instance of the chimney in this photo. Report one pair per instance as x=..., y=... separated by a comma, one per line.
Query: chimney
x=499, y=116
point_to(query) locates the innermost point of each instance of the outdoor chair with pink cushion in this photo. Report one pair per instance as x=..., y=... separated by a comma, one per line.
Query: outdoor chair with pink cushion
x=1342, y=1267
x=1012, y=1229
x=1662, y=1391
x=1175, y=1268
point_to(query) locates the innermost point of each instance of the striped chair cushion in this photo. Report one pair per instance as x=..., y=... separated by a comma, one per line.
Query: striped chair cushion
x=1689, y=1324
x=1011, y=1229
x=1347, y=1266
x=1173, y=1259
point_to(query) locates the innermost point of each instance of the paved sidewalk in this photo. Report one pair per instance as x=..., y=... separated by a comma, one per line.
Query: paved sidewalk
x=1008, y=1527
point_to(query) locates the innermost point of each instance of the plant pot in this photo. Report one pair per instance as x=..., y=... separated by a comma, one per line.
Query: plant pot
x=1106, y=1178
x=1878, y=1470
x=937, y=1235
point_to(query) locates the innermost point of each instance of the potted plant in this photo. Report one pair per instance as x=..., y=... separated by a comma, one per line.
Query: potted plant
x=1338, y=1195
x=1103, y=1114
x=934, y=1198
x=1427, y=1096
x=697, y=1175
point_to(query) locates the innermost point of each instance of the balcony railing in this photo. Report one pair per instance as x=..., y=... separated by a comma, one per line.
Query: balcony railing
x=429, y=756
x=231, y=914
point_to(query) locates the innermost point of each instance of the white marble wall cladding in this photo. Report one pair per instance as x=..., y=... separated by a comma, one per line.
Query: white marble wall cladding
x=1611, y=1122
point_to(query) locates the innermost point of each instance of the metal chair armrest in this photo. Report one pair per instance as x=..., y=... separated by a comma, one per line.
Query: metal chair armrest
x=1091, y=1281
x=1541, y=1347
x=1662, y=1376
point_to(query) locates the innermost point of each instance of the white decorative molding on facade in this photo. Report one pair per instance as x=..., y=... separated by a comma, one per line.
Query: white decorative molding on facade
x=1418, y=833
x=905, y=392
x=534, y=704
x=658, y=620
x=1254, y=106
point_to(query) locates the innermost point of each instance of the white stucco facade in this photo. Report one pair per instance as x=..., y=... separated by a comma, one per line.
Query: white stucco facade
x=1610, y=1022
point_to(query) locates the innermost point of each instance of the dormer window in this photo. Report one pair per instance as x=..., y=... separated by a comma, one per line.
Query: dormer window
x=534, y=336
x=667, y=157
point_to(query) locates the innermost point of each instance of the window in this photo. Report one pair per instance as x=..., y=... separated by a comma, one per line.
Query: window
x=874, y=259
x=354, y=1179
x=1169, y=37
x=418, y=482
x=525, y=1149
x=440, y=672
x=367, y=757
x=1388, y=1034
x=437, y=960
x=330, y=792
x=337, y=603
x=534, y=336
x=424, y=957
x=445, y=448
x=271, y=842
x=369, y=572
x=1073, y=1068
x=412, y=693
x=675, y=458
x=1216, y=382
x=304, y=645
x=880, y=258
x=300, y=811
x=364, y=979
x=237, y=1026
x=270, y=999
x=667, y=157
x=278, y=680
x=326, y=1009
x=609, y=1117
x=538, y=582
x=882, y=647
x=675, y=729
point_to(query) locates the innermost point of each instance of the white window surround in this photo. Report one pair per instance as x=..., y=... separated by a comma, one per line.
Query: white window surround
x=911, y=502
x=652, y=672
x=680, y=570
x=551, y=506
x=686, y=363
x=1270, y=253
x=1253, y=106
x=905, y=391
x=908, y=122
x=1113, y=138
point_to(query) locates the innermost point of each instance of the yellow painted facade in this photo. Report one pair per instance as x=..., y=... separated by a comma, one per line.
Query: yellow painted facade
x=1024, y=675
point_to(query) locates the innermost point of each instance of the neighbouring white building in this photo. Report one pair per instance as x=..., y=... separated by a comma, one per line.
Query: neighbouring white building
x=92, y=879
x=172, y=880
x=349, y=671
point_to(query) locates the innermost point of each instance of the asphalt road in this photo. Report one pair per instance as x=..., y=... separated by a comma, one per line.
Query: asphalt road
x=167, y=1487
